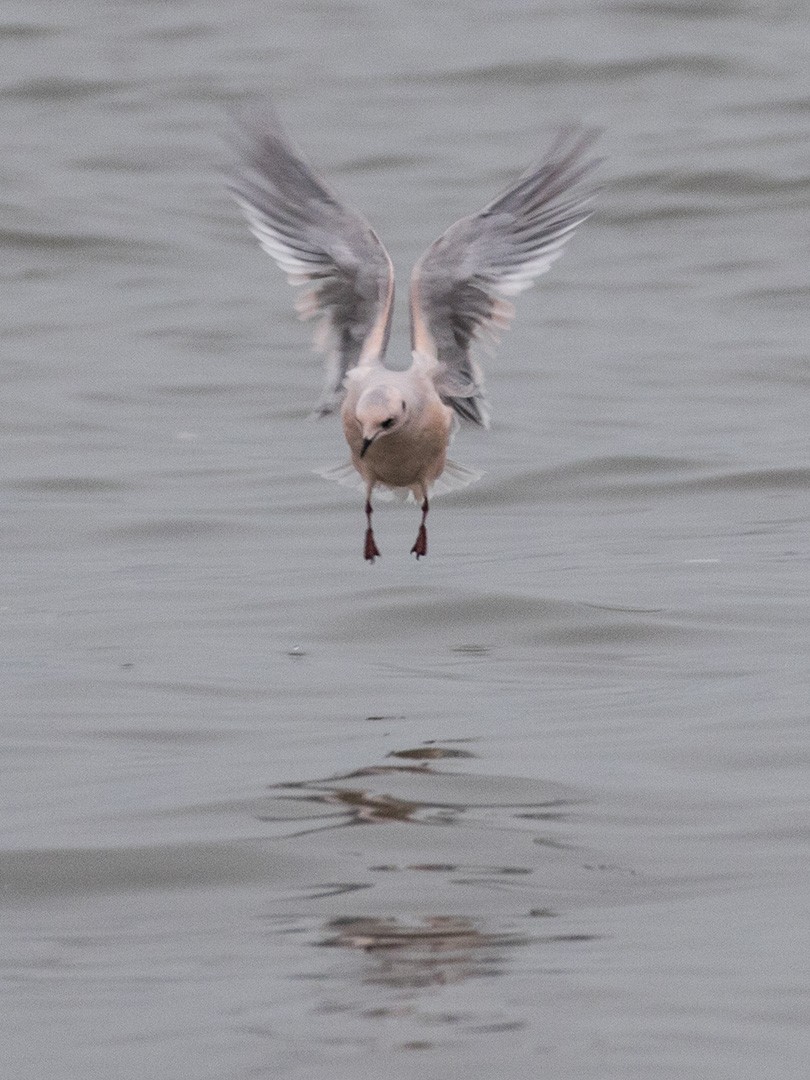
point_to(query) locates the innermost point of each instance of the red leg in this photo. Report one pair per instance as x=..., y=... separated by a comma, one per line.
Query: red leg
x=371, y=551
x=419, y=549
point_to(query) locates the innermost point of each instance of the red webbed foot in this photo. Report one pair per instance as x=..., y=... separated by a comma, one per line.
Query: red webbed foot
x=371, y=551
x=419, y=549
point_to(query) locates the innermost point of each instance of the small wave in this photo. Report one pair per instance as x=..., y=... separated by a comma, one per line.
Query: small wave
x=681, y=9
x=662, y=213
x=191, y=31
x=736, y=183
x=445, y=614
x=782, y=479
x=74, y=243
x=173, y=530
x=555, y=71
x=67, y=485
x=609, y=477
x=791, y=297
x=35, y=240
x=795, y=106
x=678, y=194
x=61, y=90
x=381, y=162
x=600, y=477
x=502, y=620
x=24, y=31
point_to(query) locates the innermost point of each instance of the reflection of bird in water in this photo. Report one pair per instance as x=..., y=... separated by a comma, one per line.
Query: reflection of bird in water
x=365, y=807
x=359, y=806
x=398, y=424
x=438, y=950
x=351, y=800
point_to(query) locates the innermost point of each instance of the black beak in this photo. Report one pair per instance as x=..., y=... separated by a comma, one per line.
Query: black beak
x=366, y=444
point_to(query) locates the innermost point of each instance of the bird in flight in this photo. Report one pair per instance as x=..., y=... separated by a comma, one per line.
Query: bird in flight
x=398, y=424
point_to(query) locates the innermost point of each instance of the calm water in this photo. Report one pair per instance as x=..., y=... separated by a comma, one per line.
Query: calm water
x=536, y=806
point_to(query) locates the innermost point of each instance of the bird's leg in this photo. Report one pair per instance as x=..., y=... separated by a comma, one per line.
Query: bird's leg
x=420, y=547
x=371, y=550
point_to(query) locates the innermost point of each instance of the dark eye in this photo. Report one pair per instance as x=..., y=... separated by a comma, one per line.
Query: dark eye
x=386, y=424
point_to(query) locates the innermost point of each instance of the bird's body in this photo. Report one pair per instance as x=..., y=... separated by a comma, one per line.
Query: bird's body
x=413, y=455
x=398, y=424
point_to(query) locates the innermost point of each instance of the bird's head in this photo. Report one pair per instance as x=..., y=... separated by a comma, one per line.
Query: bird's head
x=380, y=411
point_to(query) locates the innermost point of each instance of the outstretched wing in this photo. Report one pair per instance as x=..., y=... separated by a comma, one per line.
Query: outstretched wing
x=318, y=242
x=459, y=287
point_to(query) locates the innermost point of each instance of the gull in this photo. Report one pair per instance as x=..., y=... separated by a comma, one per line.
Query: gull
x=398, y=424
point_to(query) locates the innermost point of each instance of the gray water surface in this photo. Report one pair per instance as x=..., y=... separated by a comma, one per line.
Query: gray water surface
x=534, y=806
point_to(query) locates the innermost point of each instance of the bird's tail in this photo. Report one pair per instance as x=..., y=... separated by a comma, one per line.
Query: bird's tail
x=453, y=478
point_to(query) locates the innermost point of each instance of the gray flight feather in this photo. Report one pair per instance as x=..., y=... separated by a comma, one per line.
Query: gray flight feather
x=316, y=240
x=459, y=287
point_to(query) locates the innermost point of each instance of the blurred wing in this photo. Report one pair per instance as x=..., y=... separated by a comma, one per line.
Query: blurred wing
x=318, y=242
x=459, y=287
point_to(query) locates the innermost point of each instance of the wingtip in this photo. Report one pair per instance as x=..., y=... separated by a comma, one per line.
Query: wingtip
x=474, y=409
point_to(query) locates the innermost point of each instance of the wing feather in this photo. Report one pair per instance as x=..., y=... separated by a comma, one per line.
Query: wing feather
x=318, y=242
x=460, y=286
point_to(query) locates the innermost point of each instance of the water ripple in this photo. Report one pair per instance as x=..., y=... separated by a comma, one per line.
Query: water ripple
x=625, y=476
x=556, y=72
x=56, y=89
